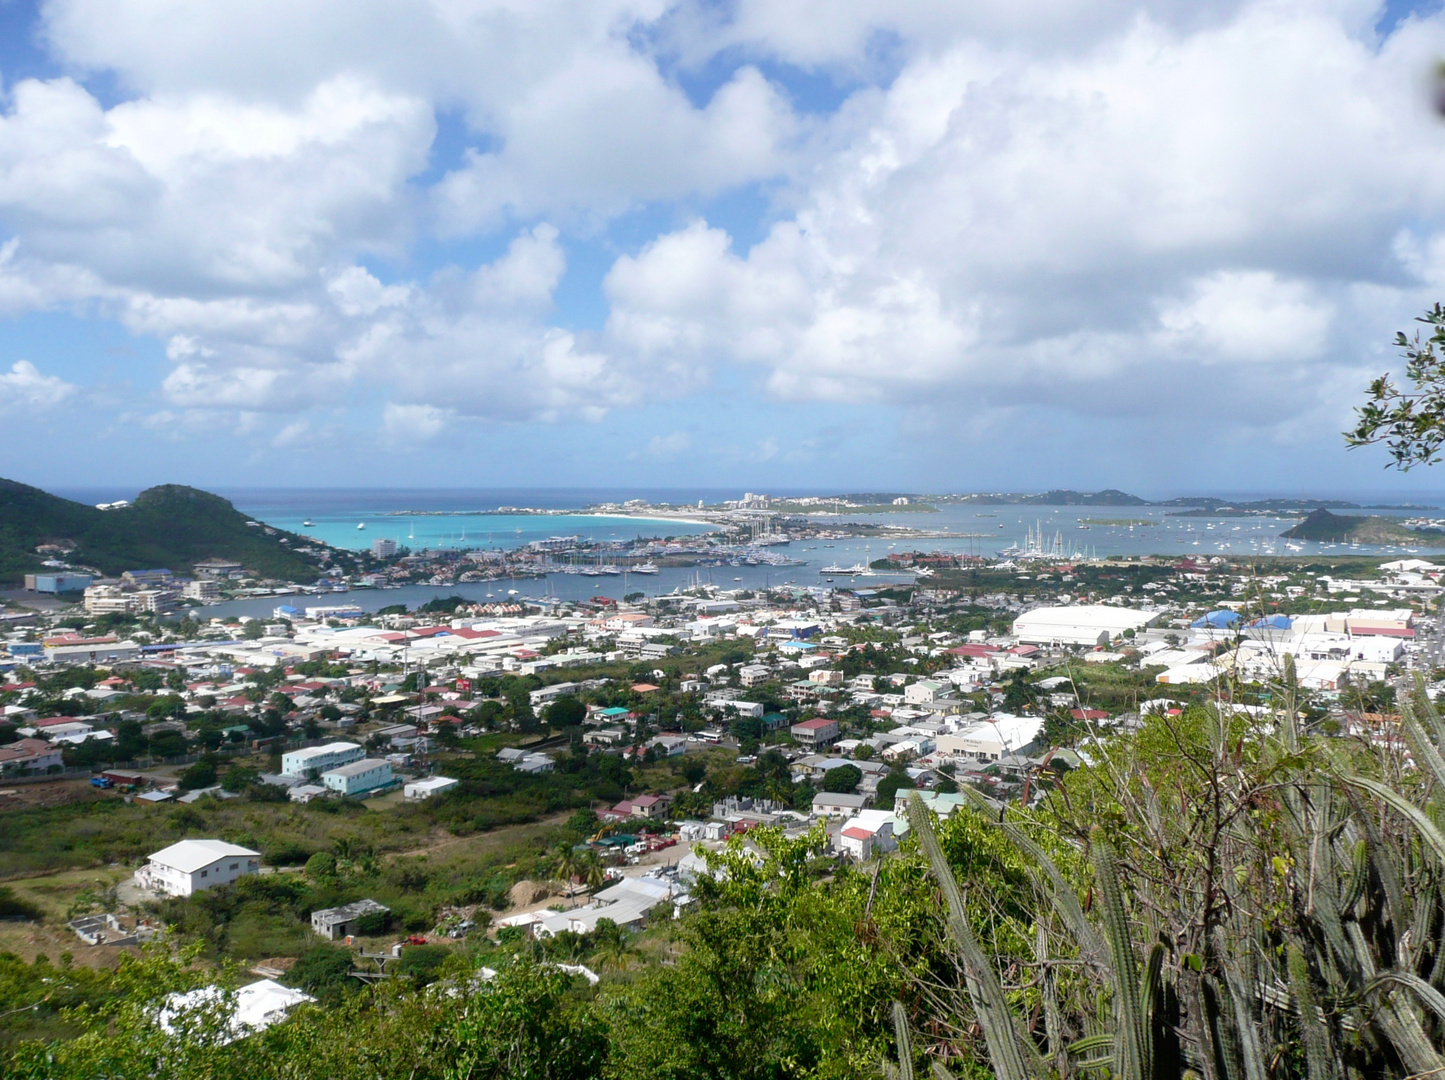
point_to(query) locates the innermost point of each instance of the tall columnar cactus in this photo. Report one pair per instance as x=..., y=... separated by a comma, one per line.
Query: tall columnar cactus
x=1263, y=902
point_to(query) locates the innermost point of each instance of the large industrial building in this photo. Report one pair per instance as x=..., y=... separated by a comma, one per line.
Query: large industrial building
x=1079, y=624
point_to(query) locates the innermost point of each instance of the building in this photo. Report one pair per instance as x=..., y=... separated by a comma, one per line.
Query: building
x=382, y=548
x=217, y=568
x=148, y=579
x=57, y=583
x=840, y=804
x=321, y=758
x=192, y=866
x=651, y=806
x=29, y=756
x=816, y=733
x=74, y=649
x=1079, y=624
x=339, y=922
x=358, y=777
x=202, y=589
x=257, y=1006
x=992, y=738
x=924, y=692
x=754, y=674
x=425, y=789
x=869, y=833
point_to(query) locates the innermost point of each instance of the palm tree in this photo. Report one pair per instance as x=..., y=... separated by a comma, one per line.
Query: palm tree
x=566, y=865
x=594, y=874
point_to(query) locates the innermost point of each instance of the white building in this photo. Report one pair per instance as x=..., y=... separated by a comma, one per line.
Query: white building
x=1079, y=624
x=923, y=692
x=365, y=775
x=192, y=866
x=321, y=758
x=425, y=789
x=992, y=738
x=754, y=674
x=257, y=1006
x=869, y=833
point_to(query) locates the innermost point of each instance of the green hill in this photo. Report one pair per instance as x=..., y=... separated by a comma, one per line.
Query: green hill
x=170, y=526
x=1325, y=527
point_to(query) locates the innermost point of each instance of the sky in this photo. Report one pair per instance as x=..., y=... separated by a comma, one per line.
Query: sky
x=787, y=244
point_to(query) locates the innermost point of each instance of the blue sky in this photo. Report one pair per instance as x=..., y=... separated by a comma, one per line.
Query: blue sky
x=796, y=245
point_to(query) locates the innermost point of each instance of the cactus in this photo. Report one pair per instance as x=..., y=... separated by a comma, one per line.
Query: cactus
x=1297, y=887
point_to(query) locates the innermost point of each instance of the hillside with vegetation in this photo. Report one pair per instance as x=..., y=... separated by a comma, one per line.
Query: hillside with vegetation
x=170, y=526
x=1173, y=909
x=1325, y=527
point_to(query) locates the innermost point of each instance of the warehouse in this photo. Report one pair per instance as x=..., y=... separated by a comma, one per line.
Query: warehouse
x=1079, y=624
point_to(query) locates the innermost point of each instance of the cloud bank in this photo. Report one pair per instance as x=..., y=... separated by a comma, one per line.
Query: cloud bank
x=1102, y=210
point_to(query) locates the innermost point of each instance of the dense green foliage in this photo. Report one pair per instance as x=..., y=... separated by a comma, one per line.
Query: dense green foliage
x=170, y=526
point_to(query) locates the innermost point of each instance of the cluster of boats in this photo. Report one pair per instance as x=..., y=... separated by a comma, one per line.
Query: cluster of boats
x=603, y=569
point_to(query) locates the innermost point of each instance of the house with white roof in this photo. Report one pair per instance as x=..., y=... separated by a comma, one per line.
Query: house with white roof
x=192, y=866
x=991, y=738
x=256, y=1007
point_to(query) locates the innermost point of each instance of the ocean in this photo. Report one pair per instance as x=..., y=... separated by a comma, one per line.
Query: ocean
x=443, y=518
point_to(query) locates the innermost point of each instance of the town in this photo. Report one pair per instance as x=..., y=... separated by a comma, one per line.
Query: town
x=590, y=762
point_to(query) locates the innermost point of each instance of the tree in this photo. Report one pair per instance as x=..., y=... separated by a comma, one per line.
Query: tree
x=324, y=972
x=888, y=787
x=238, y=778
x=199, y=775
x=842, y=780
x=1410, y=422
x=566, y=865
x=321, y=866
x=566, y=712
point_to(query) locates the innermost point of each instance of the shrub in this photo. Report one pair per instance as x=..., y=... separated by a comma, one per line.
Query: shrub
x=420, y=962
x=15, y=907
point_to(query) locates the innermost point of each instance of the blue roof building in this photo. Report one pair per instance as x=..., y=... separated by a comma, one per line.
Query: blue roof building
x=1223, y=619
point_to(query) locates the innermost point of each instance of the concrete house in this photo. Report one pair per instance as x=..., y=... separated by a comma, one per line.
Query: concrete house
x=358, y=776
x=192, y=866
x=339, y=922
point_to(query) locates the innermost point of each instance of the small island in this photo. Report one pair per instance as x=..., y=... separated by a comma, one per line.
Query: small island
x=1324, y=527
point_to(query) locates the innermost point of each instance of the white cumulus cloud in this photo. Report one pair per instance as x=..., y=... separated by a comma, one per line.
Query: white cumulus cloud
x=24, y=387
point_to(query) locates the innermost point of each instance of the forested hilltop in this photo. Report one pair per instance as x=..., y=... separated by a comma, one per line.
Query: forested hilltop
x=1178, y=905
x=170, y=526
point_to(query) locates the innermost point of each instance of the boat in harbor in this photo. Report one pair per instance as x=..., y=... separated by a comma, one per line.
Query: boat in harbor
x=645, y=568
